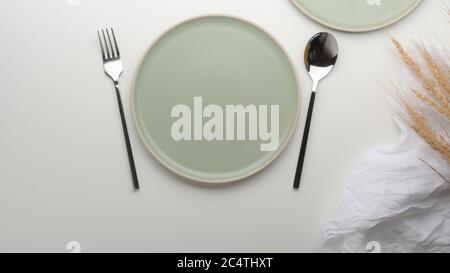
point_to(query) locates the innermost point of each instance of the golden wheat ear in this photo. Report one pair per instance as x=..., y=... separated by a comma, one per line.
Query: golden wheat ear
x=433, y=74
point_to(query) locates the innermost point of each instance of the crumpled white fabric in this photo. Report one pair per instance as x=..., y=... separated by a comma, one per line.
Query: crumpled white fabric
x=395, y=200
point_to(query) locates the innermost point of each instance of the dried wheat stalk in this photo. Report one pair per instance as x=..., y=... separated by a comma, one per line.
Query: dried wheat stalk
x=434, y=91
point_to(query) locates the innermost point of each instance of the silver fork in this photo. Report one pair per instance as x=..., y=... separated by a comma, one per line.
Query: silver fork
x=114, y=68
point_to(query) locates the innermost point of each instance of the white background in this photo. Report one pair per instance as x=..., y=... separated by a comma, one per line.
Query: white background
x=64, y=171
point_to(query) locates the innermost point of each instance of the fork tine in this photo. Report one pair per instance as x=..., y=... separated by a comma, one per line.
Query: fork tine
x=113, y=49
x=115, y=42
x=101, y=45
x=108, y=52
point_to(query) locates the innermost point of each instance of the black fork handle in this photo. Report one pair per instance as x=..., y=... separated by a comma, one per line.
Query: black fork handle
x=301, y=159
x=127, y=138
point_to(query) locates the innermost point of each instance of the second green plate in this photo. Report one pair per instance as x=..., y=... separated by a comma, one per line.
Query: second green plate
x=356, y=15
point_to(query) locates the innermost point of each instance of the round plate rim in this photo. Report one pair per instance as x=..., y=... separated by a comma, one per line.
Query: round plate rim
x=205, y=180
x=357, y=30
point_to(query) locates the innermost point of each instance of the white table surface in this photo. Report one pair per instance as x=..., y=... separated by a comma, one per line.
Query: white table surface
x=64, y=170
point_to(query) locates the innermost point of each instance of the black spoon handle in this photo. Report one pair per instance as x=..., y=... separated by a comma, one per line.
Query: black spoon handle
x=301, y=159
x=127, y=140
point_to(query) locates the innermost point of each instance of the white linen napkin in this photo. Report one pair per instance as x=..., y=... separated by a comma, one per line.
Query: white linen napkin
x=395, y=200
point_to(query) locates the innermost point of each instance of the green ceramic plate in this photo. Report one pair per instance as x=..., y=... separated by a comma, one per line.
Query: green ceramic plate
x=227, y=69
x=356, y=15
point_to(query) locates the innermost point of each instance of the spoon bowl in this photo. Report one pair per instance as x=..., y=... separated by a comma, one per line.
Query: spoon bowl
x=321, y=54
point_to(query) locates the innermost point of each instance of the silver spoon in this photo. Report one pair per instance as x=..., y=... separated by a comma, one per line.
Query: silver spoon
x=321, y=54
